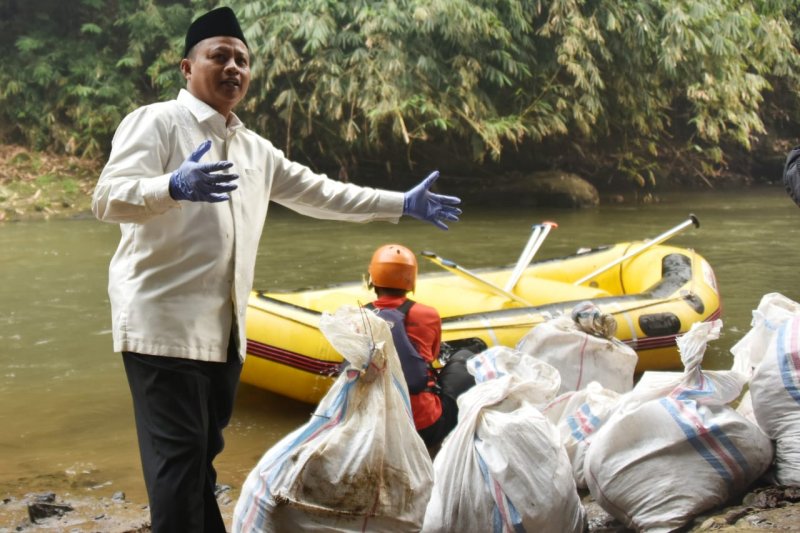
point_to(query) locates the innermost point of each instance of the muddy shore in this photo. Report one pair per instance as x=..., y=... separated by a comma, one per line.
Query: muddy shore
x=763, y=509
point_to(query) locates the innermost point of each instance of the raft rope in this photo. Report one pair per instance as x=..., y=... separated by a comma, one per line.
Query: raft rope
x=626, y=310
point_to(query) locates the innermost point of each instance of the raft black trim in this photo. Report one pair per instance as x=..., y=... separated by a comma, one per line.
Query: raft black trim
x=471, y=344
x=660, y=324
x=676, y=271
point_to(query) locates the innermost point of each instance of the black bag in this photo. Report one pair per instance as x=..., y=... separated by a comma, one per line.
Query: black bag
x=454, y=378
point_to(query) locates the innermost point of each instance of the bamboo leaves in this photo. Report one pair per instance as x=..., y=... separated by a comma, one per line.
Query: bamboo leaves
x=604, y=83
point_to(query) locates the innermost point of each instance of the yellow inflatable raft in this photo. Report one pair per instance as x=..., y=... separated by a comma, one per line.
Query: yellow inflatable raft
x=655, y=294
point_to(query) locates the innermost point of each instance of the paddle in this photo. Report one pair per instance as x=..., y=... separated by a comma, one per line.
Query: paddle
x=692, y=220
x=450, y=266
x=536, y=239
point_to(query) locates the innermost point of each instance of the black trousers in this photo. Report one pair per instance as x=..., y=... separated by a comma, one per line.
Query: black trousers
x=181, y=407
x=454, y=379
x=434, y=434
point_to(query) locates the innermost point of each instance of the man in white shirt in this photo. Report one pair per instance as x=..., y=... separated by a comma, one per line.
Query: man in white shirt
x=190, y=185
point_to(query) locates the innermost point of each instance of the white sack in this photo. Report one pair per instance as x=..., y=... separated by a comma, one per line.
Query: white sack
x=578, y=415
x=772, y=310
x=581, y=357
x=659, y=462
x=745, y=408
x=499, y=361
x=358, y=464
x=775, y=396
x=503, y=468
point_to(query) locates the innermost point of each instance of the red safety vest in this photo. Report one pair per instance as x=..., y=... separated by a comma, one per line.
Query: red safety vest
x=424, y=330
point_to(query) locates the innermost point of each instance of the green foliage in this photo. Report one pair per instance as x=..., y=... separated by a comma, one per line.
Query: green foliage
x=639, y=89
x=78, y=68
x=608, y=80
x=362, y=75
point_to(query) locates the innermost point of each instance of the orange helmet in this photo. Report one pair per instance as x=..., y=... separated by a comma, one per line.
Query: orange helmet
x=393, y=266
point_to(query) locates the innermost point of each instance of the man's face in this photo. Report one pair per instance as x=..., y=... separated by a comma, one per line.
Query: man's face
x=217, y=72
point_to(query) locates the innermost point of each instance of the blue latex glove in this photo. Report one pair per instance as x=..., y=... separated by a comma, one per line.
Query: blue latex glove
x=195, y=182
x=421, y=203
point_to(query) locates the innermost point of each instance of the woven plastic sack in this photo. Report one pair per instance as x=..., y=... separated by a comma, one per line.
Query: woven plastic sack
x=769, y=353
x=499, y=361
x=578, y=415
x=581, y=356
x=773, y=309
x=775, y=397
x=660, y=461
x=503, y=468
x=745, y=408
x=358, y=464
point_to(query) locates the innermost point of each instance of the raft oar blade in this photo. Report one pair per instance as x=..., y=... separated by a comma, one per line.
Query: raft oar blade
x=535, y=241
x=691, y=221
x=453, y=267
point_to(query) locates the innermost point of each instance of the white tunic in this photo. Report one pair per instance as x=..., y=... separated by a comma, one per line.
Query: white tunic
x=183, y=268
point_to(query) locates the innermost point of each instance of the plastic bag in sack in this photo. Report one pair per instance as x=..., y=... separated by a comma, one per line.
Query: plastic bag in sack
x=503, y=468
x=573, y=346
x=358, y=463
x=578, y=415
x=659, y=462
x=775, y=397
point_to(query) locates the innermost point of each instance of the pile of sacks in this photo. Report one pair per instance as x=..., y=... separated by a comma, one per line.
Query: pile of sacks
x=557, y=413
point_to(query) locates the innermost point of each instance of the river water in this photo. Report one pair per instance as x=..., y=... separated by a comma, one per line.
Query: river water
x=66, y=422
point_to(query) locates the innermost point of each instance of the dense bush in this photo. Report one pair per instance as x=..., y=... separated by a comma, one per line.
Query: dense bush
x=74, y=69
x=608, y=87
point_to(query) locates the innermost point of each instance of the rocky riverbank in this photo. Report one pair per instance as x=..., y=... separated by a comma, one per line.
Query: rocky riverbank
x=51, y=511
x=763, y=509
x=38, y=185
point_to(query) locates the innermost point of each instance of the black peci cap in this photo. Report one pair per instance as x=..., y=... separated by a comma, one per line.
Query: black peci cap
x=217, y=22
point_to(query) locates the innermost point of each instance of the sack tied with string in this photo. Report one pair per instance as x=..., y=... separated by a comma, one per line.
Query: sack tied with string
x=358, y=464
x=582, y=347
x=770, y=352
x=503, y=468
x=662, y=459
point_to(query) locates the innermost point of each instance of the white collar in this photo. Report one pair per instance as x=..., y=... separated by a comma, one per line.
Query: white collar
x=203, y=112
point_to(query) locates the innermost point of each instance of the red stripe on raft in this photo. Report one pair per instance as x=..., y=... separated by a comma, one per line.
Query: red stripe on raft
x=331, y=368
x=293, y=359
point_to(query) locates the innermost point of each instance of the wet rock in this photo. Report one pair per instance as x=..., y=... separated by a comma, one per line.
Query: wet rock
x=550, y=188
x=44, y=497
x=597, y=519
x=38, y=511
x=769, y=508
x=222, y=494
x=772, y=497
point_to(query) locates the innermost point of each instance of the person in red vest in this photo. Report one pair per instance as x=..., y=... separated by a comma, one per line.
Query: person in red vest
x=416, y=331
